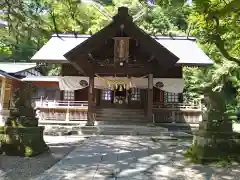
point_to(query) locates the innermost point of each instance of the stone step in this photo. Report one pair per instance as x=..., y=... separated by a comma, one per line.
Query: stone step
x=120, y=113
x=184, y=127
x=117, y=110
x=123, y=122
x=114, y=118
x=120, y=116
x=106, y=130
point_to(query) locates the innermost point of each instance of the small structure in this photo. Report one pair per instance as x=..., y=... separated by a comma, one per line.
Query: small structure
x=6, y=85
x=10, y=78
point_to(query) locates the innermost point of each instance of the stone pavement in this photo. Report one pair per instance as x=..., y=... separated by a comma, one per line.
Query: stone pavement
x=132, y=158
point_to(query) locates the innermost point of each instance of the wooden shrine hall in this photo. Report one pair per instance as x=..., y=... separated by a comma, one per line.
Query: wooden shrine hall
x=121, y=68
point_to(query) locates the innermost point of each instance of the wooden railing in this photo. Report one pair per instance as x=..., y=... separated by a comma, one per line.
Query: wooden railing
x=61, y=104
x=61, y=110
x=190, y=113
x=66, y=111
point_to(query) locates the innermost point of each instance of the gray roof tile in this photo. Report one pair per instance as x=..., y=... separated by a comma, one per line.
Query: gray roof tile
x=186, y=49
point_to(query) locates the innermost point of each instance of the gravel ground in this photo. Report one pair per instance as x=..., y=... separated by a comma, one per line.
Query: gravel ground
x=19, y=168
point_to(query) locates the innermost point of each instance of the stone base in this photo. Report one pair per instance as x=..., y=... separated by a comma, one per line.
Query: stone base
x=24, y=141
x=214, y=146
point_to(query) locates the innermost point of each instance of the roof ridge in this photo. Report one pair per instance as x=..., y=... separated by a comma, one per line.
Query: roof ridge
x=72, y=35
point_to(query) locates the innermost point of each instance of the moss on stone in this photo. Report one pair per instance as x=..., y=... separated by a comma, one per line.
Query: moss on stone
x=22, y=141
x=21, y=135
x=215, y=151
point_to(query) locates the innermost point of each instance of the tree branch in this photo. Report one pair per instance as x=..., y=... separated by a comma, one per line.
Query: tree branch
x=220, y=43
x=234, y=5
x=54, y=22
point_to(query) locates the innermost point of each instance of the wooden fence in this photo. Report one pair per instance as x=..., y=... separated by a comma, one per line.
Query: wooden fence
x=67, y=111
x=177, y=113
x=62, y=110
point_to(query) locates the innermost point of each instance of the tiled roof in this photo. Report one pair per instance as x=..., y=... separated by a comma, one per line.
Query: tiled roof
x=185, y=48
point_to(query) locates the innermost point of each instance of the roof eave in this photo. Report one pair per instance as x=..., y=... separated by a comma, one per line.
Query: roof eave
x=8, y=76
x=195, y=64
x=88, y=43
x=51, y=61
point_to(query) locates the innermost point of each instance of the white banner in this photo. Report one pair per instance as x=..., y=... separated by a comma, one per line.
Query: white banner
x=172, y=85
x=71, y=83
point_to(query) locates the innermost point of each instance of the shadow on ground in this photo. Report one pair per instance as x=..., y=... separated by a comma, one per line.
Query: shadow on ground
x=129, y=157
x=20, y=168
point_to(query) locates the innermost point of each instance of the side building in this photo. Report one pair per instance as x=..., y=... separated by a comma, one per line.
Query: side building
x=11, y=75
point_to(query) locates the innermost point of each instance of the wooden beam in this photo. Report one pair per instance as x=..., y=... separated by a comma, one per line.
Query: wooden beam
x=147, y=43
x=2, y=95
x=90, y=120
x=150, y=98
x=82, y=65
x=122, y=70
x=95, y=41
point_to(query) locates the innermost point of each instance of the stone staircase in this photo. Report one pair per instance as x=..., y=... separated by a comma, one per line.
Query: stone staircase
x=115, y=122
x=111, y=116
x=154, y=131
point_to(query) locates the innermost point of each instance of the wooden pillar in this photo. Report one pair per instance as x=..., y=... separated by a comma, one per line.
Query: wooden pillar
x=2, y=116
x=150, y=98
x=2, y=95
x=90, y=120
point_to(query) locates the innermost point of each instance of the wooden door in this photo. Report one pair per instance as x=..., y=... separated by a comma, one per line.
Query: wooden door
x=81, y=94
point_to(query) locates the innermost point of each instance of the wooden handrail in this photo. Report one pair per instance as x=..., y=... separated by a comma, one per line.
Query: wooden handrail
x=58, y=103
x=177, y=106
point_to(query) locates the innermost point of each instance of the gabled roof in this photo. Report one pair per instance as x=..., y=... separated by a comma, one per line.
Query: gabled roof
x=11, y=67
x=57, y=46
x=122, y=23
x=185, y=48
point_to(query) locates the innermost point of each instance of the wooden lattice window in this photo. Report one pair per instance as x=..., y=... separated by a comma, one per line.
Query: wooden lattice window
x=68, y=96
x=106, y=94
x=135, y=94
x=171, y=97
